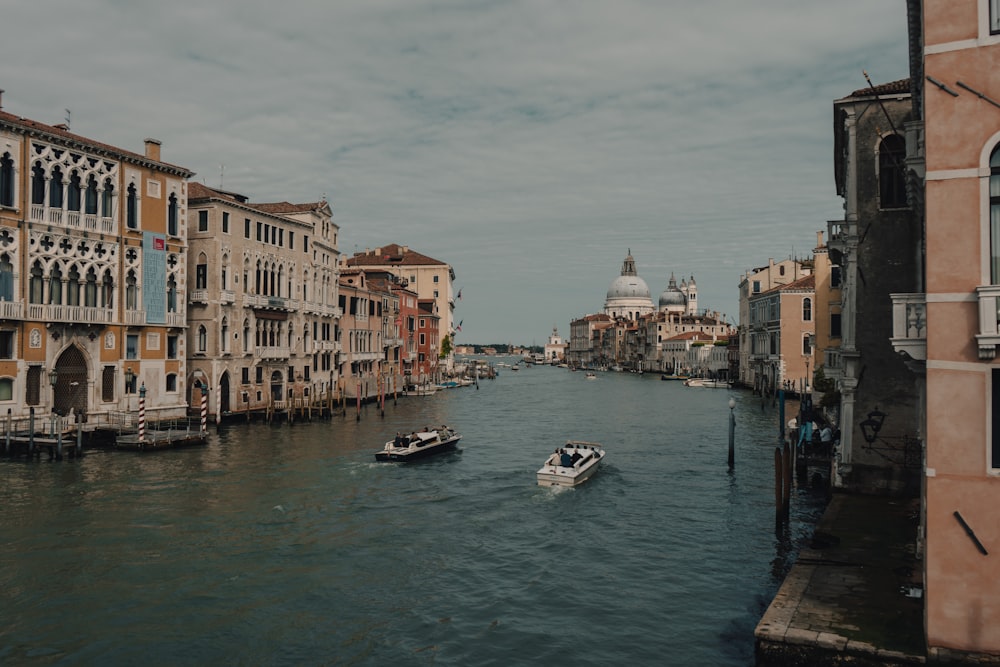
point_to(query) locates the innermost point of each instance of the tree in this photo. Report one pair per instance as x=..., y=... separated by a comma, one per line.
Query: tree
x=445, y=347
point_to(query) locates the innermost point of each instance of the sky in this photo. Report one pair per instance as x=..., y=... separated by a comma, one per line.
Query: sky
x=530, y=144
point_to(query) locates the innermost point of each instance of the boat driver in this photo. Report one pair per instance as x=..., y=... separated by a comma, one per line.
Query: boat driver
x=565, y=460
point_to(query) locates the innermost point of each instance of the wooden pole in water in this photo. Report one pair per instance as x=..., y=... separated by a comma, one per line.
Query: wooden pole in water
x=204, y=409
x=31, y=431
x=359, y=399
x=732, y=431
x=778, y=476
x=7, y=436
x=79, y=438
x=142, y=414
x=786, y=486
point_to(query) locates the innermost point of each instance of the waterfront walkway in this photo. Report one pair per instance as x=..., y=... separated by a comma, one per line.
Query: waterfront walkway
x=854, y=594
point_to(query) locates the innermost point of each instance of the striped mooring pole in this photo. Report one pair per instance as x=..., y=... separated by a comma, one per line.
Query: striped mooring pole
x=142, y=413
x=204, y=408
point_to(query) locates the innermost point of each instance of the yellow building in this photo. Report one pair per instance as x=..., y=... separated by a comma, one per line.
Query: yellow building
x=92, y=274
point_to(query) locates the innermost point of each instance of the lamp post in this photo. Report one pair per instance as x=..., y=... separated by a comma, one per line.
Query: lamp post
x=53, y=380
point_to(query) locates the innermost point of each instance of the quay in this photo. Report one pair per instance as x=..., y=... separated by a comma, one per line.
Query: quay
x=854, y=594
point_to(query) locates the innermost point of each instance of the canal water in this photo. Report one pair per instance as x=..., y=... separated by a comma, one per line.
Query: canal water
x=290, y=545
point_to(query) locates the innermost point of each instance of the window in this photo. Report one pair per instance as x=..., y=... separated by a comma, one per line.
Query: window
x=834, y=276
x=225, y=222
x=436, y=279
x=244, y=375
x=108, y=199
x=891, y=172
x=132, y=346
x=201, y=274
x=202, y=339
x=202, y=221
x=246, y=228
x=995, y=216
x=73, y=196
x=172, y=347
x=171, y=295
x=995, y=419
x=259, y=374
x=90, y=201
x=994, y=17
x=6, y=389
x=108, y=384
x=56, y=189
x=131, y=207
x=260, y=230
x=756, y=287
x=6, y=180
x=37, y=184
x=6, y=344
x=291, y=240
x=807, y=348
x=172, y=216
x=171, y=382
x=6, y=278
x=781, y=270
x=835, y=325
x=807, y=310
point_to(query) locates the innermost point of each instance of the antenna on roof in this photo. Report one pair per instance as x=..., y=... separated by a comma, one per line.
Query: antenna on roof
x=222, y=175
x=67, y=118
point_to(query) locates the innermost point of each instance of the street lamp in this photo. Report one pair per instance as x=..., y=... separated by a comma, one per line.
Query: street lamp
x=53, y=377
x=871, y=426
x=129, y=376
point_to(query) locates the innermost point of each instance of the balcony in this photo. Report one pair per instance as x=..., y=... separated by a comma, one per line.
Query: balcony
x=271, y=352
x=70, y=314
x=176, y=319
x=833, y=363
x=198, y=296
x=11, y=310
x=72, y=219
x=135, y=317
x=326, y=346
x=227, y=296
x=269, y=302
x=988, y=337
x=909, y=325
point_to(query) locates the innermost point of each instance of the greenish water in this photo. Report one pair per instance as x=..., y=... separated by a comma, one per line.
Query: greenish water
x=290, y=545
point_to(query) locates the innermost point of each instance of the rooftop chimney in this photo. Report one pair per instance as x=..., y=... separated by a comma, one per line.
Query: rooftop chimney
x=1, y=99
x=153, y=149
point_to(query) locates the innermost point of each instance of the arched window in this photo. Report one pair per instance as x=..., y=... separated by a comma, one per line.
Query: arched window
x=995, y=216
x=202, y=338
x=6, y=278
x=807, y=345
x=807, y=309
x=73, y=287
x=172, y=216
x=6, y=180
x=108, y=199
x=73, y=194
x=131, y=291
x=171, y=295
x=132, y=207
x=171, y=382
x=246, y=335
x=891, y=172
x=37, y=184
x=90, y=289
x=224, y=331
x=36, y=288
x=56, y=189
x=224, y=274
x=201, y=272
x=55, y=285
x=90, y=204
x=108, y=290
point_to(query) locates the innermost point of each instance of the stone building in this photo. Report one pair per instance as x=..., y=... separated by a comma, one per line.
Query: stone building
x=93, y=251
x=263, y=321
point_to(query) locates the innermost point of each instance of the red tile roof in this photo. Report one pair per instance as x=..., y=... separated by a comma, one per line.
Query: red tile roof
x=393, y=254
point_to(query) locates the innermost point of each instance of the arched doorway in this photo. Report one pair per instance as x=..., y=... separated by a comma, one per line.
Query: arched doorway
x=223, y=397
x=71, y=382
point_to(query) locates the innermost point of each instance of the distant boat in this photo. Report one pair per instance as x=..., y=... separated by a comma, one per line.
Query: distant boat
x=419, y=444
x=591, y=376
x=419, y=389
x=666, y=376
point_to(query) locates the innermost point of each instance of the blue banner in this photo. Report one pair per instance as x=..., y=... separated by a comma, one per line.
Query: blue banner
x=154, y=277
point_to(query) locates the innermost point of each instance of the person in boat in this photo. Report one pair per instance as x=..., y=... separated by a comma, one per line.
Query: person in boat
x=398, y=442
x=565, y=460
x=576, y=457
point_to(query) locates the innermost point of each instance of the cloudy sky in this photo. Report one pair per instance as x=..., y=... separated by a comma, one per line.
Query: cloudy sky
x=528, y=143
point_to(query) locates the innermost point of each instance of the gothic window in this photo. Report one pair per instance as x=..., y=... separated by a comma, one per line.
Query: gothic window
x=172, y=215
x=56, y=189
x=73, y=287
x=90, y=289
x=108, y=384
x=807, y=313
x=132, y=207
x=36, y=283
x=107, y=199
x=6, y=180
x=202, y=338
x=55, y=285
x=171, y=295
x=6, y=278
x=90, y=203
x=37, y=184
x=108, y=290
x=131, y=291
x=73, y=193
x=891, y=172
x=201, y=273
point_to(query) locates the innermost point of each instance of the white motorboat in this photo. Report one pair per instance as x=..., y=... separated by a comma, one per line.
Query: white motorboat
x=572, y=464
x=419, y=444
x=419, y=389
x=591, y=376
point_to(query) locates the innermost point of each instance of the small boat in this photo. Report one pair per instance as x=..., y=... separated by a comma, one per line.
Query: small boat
x=419, y=389
x=572, y=464
x=591, y=376
x=694, y=382
x=419, y=444
x=667, y=376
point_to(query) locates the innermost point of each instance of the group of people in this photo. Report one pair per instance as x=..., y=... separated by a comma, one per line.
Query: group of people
x=405, y=440
x=566, y=459
x=811, y=436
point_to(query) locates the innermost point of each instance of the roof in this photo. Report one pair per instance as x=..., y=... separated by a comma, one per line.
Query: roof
x=802, y=284
x=900, y=87
x=392, y=254
x=61, y=134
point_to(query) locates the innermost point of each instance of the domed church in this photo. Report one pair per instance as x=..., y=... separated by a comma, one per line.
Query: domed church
x=683, y=299
x=628, y=296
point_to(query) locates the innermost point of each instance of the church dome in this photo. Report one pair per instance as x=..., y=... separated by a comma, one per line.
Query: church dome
x=672, y=297
x=628, y=287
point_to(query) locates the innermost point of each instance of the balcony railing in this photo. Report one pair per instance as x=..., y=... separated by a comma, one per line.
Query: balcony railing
x=11, y=310
x=988, y=337
x=78, y=314
x=909, y=325
x=135, y=317
x=72, y=219
x=198, y=296
x=269, y=302
x=176, y=319
x=227, y=296
x=271, y=352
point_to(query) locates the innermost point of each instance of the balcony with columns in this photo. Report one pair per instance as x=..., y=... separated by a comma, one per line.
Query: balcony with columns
x=11, y=310
x=909, y=325
x=272, y=352
x=50, y=312
x=270, y=302
x=90, y=222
